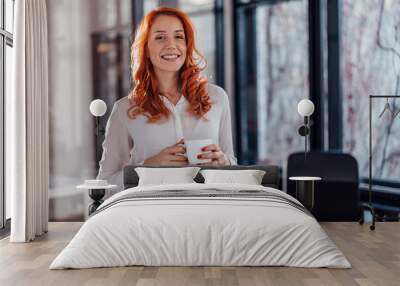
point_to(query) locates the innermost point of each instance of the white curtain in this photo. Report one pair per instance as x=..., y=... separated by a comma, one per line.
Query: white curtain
x=29, y=123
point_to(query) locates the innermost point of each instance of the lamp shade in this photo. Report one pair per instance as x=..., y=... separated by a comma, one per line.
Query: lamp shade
x=98, y=107
x=305, y=107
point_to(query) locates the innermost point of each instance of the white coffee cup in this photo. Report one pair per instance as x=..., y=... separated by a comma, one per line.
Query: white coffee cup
x=193, y=148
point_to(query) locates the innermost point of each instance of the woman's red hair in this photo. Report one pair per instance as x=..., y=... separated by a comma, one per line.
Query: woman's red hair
x=145, y=98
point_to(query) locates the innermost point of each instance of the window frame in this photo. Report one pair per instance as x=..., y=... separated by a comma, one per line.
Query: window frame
x=6, y=39
x=247, y=140
x=331, y=97
x=335, y=102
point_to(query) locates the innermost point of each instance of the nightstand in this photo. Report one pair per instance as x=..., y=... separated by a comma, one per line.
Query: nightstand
x=96, y=193
x=305, y=190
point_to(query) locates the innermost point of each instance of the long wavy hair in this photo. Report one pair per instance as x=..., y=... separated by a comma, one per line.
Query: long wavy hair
x=145, y=97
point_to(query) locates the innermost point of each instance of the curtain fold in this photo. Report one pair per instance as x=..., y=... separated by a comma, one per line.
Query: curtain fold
x=29, y=161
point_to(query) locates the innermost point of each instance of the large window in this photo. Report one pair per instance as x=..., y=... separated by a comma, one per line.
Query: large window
x=271, y=78
x=371, y=65
x=6, y=44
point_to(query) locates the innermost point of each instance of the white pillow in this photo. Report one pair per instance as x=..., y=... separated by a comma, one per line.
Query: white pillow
x=249, y=177
x=162, y=176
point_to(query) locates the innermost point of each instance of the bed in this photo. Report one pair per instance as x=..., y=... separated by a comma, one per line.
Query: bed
x=198, y=224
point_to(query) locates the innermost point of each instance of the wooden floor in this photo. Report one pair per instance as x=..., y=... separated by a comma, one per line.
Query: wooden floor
x=375, y=257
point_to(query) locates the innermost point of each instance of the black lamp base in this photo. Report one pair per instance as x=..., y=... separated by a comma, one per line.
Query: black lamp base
x=96, y=195
x=305, y=193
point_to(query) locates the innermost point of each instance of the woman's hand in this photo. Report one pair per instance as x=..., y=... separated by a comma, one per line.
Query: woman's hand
x=214, y=153
x=169, y=156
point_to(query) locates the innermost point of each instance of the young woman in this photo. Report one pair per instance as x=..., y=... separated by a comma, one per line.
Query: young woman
x=170, y=102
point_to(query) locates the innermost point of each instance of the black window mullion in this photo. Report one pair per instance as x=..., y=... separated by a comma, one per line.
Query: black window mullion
x=316, y=72
x=137, y=7
x=219, y=43
x=168, y=3
x=240, y=110
x=335, y=120
x=246, y=84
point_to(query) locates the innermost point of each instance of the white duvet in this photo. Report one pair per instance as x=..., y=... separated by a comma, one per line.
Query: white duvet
x=200, y=231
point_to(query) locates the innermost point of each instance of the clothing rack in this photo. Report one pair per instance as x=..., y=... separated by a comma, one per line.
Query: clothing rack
x=368, y=206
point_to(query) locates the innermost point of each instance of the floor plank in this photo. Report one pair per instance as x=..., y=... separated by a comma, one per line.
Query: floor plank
x=374, y=255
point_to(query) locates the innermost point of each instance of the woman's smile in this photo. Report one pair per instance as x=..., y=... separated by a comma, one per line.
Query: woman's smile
x=171, y=57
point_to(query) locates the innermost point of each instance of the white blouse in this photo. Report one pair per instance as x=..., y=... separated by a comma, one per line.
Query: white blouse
x=132, y=141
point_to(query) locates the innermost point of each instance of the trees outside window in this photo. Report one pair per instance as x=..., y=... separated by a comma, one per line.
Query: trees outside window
x=371, y=66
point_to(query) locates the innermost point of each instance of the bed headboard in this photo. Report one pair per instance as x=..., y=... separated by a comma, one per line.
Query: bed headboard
x=272, y=177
